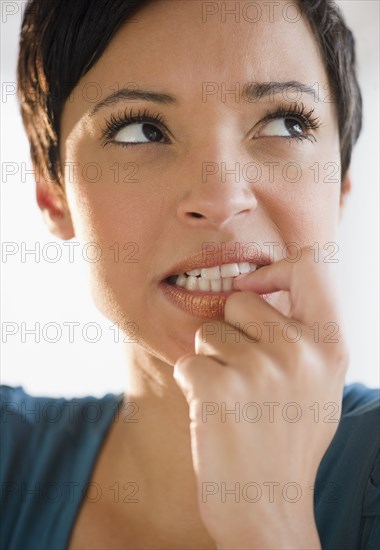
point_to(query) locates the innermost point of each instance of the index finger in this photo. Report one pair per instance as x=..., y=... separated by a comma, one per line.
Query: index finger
x=312, y=286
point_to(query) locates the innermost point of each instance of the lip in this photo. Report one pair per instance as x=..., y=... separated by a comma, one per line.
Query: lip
x=210, y=305
x=226, y=253
x=200, y=304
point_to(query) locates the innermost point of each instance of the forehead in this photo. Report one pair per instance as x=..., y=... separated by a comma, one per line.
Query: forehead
x=230, y=40
x=179, y=45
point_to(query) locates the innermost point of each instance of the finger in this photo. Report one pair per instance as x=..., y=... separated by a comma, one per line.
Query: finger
x=311, y=285
x=263, y=323
x=248, y=318
x=252, y=328
x=221, y=341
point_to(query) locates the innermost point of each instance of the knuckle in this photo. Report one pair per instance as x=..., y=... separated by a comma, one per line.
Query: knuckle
x=186, y=362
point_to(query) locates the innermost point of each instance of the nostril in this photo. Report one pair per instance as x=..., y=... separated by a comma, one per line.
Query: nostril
x=196, y=215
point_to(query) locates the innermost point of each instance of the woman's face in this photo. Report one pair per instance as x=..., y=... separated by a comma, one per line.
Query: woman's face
x=248, y=178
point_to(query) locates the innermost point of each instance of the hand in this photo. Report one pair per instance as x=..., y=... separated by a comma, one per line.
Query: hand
x=286, y=397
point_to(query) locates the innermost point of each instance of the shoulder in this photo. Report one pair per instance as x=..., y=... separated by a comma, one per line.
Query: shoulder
x=358, y=431
x=45, y=426
x=347, y=496
x=359, y=399
x=18, y=407
x=48, y=448
x=358, y=436
x=360, y=419
x=14, y=401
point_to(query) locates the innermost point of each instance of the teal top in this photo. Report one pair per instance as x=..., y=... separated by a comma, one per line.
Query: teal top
x=49, y=448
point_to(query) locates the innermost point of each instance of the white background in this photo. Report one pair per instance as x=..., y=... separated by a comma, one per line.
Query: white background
x=58, y=292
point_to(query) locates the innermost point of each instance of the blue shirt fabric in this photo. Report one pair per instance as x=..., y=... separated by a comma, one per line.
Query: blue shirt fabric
x=49, y=448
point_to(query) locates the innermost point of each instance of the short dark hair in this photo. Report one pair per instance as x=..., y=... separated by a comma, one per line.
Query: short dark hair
x=61, y=40
x=337, y=46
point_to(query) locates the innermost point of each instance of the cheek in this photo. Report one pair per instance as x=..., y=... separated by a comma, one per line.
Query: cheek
x=300, y=190
x=309, y=207
x=122, y=216
x=108, y=196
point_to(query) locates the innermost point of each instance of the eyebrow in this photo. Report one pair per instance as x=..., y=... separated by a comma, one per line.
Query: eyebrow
x=257, y=90
x=251, y=91
x=127, y=94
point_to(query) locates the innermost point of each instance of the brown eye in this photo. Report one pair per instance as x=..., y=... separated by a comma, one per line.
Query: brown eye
x=293, y=126
x=139, y=133
x=284, y=126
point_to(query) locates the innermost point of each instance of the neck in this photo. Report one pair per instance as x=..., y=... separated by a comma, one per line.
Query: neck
x=152, y=386
x=160, y=439
x=154, y=452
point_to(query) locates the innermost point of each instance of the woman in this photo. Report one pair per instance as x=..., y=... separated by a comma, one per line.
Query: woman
x=190, y=144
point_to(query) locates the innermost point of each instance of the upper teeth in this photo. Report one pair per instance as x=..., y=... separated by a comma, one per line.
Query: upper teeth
x=225, y=270
x=193, y=279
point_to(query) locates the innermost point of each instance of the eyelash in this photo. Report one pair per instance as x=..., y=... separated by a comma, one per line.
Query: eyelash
x=123, y=119
x=297, y=111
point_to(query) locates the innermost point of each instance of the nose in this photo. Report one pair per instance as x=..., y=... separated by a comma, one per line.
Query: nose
x=216, y=190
